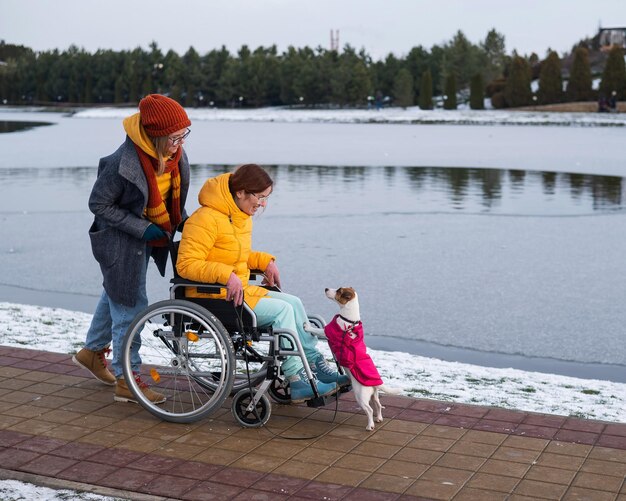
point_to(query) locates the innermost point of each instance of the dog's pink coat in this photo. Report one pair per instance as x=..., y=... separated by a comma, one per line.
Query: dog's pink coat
x=352, y=353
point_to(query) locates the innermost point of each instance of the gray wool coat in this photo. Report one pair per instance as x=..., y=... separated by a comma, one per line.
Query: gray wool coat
x=118, y=200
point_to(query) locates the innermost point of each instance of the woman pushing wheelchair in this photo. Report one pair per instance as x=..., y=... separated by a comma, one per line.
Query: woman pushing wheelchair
x=216, y=247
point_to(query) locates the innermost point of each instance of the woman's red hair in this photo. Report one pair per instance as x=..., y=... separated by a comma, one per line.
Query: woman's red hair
x=250, y=178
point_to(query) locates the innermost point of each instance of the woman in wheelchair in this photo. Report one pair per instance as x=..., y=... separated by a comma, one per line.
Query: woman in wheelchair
x=216, y=247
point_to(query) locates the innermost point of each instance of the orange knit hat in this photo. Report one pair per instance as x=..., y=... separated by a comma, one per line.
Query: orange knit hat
x=161, y=115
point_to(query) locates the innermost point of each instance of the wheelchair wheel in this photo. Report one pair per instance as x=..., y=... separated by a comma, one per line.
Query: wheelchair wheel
x=279, y=390
x=185, y=354
x=251, y=418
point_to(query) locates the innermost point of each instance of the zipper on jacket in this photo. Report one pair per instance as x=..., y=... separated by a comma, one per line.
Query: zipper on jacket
x=236, y=237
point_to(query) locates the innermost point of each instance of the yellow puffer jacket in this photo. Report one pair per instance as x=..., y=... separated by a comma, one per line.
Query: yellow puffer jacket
x=217, y=240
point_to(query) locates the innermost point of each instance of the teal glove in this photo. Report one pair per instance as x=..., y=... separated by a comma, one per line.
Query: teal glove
x=153, y=232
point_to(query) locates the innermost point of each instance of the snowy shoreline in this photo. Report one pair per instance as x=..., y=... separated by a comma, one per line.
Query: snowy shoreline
x=412, y=115
x=63, y=331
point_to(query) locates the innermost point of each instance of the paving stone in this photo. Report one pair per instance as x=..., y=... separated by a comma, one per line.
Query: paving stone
x=86, y=472
x=60, y=423
x=47, y=465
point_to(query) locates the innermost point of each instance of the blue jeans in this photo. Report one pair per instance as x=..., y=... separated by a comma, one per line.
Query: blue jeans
x=286, y=311
x=111, y=321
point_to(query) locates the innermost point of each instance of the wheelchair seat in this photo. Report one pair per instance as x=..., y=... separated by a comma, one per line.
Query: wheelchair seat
x=225, y=311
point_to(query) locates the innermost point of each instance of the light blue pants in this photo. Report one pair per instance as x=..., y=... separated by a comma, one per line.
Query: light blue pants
x=111, y=320
x=281, y=310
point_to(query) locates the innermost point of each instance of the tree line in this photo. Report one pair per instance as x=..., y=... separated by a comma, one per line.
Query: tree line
x=457, y=69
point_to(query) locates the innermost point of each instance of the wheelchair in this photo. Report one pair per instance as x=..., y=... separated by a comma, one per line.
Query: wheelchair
x=199, y=351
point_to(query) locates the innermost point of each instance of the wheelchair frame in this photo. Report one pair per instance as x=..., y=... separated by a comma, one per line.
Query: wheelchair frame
x=190, y=349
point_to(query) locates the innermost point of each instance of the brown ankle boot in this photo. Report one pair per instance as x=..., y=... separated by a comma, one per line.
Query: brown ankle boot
x=95, y=362
x=123, y=393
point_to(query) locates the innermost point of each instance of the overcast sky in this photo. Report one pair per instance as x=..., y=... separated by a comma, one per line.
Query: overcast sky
x=380, y=26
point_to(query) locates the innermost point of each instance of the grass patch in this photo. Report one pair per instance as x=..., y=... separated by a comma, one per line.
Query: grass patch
x=578, y=414
x=528, y=389
x=590, y=392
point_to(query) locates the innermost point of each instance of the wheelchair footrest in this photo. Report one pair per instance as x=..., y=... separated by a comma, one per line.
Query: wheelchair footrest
x=319, y=401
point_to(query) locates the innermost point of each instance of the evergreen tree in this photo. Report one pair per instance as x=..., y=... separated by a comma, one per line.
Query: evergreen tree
x=175, y=93
x=614, y=75
x=462, y=59
x=436, y=66
x=417, y=62
x=550, y=80
x=22, y=88
x=119, y=90
x=8, y=72
x=359, y=85
x=494, y=55
x=191, y=78
x=579, y=86
x=174, y=73
x=290, y=67
x=403, y=89
x=88, y=91
x=135, y=70
x=306, y=80
x=517, y=89
x=147, y=86
x=426, y=91
x=387, y=73
x=155, y=58
x=213, y=64
x=449, y=102
x=228, y=88
x=477, y=93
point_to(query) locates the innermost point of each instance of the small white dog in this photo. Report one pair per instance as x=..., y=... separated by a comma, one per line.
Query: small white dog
x=345, y=337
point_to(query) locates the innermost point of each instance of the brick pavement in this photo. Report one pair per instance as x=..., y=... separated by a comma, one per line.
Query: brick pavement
x=60, y=427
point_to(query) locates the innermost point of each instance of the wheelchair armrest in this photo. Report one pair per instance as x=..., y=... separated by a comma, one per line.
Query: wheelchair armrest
x=254, y=274
x=201, y=286
x=259, y=275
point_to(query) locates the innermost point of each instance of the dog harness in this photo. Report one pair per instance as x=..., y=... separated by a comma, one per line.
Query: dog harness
x=352, y=353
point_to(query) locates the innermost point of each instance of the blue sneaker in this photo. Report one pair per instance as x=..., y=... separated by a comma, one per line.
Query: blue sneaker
x=326, y=374
x=301, y=388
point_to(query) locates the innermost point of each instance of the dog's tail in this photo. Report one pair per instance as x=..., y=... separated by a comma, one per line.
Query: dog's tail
x=389, y=389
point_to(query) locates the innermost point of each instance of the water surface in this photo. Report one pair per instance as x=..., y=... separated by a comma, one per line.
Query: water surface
x=17, y=126
x=498, y=266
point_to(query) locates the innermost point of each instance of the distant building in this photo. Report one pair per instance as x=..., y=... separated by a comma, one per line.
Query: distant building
x=608, y=37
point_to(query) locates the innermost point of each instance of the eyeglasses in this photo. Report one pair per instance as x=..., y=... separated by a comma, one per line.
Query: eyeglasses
x=177, y=140
x=260, y=199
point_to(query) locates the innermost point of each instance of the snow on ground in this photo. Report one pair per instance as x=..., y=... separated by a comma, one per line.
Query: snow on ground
x=411, y=115
x=12, y=490
x=63, y=331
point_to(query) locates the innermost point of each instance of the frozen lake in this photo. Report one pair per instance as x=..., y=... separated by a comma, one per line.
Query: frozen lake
x=461, y=246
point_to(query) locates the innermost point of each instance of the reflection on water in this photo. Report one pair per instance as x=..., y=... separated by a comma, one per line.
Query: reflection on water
x=327, y=191
x=13, y=126
x=438, y=189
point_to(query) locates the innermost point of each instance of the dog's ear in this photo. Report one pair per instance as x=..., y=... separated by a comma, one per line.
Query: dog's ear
x=345, y=294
